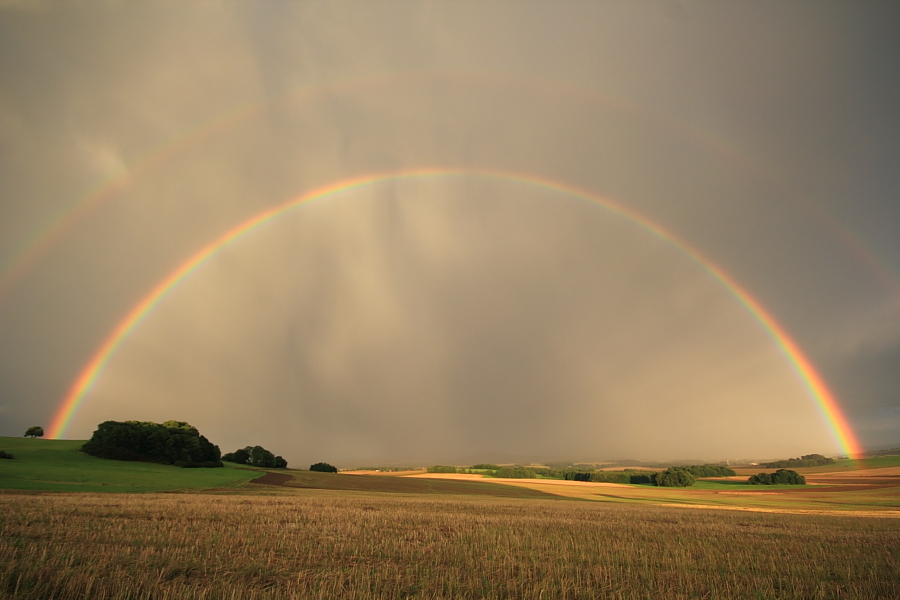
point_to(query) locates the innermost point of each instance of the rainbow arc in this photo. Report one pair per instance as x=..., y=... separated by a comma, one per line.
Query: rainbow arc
x=813, y=382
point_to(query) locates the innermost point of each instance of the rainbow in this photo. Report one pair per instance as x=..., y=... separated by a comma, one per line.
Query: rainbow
x=813, y=382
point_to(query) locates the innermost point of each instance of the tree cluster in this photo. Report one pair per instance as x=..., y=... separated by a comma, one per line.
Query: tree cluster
x=485, y=466
x=441, y=469
x=709, y=471
x=807, y=460
x=779, y=477
x=255, y=456
x=514, y=473
x=624, y=476
x=170, y=443
x=323, y=468
x=675, y=477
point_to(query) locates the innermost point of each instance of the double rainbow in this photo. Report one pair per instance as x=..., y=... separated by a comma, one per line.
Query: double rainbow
x=813, y=382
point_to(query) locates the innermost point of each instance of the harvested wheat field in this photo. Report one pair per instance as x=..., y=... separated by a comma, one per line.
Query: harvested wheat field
x=325, y=544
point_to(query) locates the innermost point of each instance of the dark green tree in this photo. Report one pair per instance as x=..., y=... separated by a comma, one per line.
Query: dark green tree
x=34, y=432
x=323, y=468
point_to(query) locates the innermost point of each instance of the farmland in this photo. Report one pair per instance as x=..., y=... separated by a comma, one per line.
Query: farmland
x=299, y=534
x=329, y=544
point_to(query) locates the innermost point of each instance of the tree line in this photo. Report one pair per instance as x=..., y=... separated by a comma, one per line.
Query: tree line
x=807, y=460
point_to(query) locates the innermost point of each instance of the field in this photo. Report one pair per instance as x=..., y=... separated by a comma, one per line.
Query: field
x=297, y=534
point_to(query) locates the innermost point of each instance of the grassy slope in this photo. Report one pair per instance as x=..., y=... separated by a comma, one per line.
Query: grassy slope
x=57, y=465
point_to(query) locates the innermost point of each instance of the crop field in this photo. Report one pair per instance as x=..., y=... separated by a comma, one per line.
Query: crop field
x=300, y=534
x=328, y=544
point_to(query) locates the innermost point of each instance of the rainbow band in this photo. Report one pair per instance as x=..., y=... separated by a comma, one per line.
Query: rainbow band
x=816, y=387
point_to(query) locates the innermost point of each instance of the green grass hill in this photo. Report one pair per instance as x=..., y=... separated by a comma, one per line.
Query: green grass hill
x=58, y=465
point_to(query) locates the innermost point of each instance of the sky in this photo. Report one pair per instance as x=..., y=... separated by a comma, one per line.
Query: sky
x=501, y=231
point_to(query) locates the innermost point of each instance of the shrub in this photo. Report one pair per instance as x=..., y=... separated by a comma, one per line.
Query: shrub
x=169, y=443
x=323, y=468
x=5, y=454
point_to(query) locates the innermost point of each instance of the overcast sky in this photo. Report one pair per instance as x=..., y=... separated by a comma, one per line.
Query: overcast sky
x=455, y=318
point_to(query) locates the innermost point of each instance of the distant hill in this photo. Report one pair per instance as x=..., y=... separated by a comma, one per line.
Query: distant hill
x=886, y=452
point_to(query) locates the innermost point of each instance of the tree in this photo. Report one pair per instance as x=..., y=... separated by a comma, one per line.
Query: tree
x=34, y=432
x=323, y=468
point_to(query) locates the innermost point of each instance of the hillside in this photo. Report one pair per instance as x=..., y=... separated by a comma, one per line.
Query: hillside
x=57, y=465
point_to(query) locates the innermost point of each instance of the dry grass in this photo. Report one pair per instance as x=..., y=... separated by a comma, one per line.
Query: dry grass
x=323, y=544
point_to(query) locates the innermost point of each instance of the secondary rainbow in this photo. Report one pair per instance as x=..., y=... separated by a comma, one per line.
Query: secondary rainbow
x=811, y=379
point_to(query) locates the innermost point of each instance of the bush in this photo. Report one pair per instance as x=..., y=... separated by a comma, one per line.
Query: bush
x=169, y=443
x=675, y=477
x=5, y=454
x=441, y=469
x=323, y=468
x=779, y=477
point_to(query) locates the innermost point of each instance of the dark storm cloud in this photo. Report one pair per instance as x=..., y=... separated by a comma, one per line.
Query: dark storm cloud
x=436, y=320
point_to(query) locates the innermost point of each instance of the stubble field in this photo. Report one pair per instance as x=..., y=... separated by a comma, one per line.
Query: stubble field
x=345, y=544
